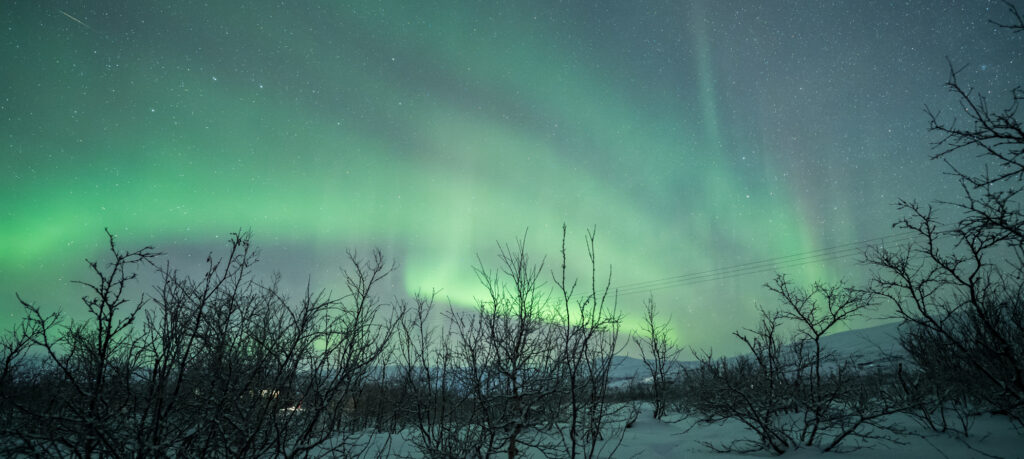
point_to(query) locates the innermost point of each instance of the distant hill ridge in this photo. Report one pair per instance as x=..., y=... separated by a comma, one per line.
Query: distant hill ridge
x=865, y=344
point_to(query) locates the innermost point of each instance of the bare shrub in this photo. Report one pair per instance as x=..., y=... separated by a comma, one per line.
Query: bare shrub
x=793, y=392
x=525, y=372
x=219, y=365
x=658, y=351
x=589, y=325
x=440, y=411
x=959, y=284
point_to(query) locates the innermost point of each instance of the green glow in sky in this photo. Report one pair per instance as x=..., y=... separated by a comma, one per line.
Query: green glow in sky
x=692, y=141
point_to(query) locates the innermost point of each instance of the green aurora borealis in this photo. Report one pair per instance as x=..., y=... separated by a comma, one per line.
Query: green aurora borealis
x=694, y=135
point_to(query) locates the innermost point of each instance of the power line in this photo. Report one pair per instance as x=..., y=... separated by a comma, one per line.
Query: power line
x=776, y=259
x=743, y=272
x=770, y=264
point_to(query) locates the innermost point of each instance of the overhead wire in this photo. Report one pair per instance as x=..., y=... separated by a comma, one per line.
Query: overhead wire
x=831, y=253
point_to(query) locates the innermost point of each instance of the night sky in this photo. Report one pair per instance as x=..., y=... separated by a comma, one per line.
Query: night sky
x=695, y=135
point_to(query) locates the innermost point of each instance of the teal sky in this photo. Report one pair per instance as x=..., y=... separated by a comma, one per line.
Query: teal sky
x=694, y=135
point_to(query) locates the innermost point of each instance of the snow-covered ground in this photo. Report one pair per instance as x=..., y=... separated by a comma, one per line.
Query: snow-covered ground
x=680, y=438
x=656, y=439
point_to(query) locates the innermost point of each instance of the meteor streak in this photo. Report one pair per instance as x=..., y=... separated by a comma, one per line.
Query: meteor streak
x=75, y=19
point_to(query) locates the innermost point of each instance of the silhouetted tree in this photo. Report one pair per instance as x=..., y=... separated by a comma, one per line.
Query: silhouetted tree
x=508, y=349
x=658, y=351
x=794, y=392
x=92, y=364
x=959, y=286
x=525, y=372
x=589, y=336
x=440, y=411
x=219, y=365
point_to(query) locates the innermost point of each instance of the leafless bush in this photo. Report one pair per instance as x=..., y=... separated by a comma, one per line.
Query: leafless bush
x=220, y=365
x=507, y=351
x=959, y=285
x=439, y=410
x=224, y=364
x=526, y=370
x=793, y=393
x=589, y=325
x=936, y=388
x=658, y=351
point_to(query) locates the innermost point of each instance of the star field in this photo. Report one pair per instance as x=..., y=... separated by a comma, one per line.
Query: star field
x=694, y=135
